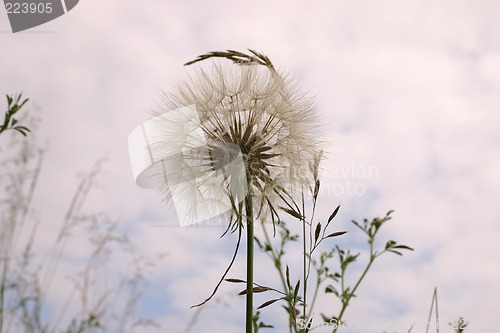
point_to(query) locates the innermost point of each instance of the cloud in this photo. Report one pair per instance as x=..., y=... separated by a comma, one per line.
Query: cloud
x=411, y=89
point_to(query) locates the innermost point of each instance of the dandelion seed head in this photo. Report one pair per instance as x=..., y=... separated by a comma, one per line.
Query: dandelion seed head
x=248, y=111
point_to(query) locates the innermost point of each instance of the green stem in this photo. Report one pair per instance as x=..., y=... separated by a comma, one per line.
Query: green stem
x=315, y=295
x=250, y=240
x=304, y=264
x=373, y=256
x=275, y=258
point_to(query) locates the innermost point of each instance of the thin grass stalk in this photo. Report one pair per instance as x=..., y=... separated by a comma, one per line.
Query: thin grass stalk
x=2, y=290
x=434, y=301
x=305, y=258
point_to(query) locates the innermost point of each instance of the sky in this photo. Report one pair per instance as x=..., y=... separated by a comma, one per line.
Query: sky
x=407, y=93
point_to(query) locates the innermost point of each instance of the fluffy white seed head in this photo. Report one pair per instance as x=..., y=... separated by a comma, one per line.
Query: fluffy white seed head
x=258, y=114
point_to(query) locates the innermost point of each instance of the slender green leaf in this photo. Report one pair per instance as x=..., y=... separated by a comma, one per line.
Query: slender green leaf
x=22, y=128
x=335, y=234
x=296, y=291
x=330, y=289
x=234, y=280
x=263, y=305
x=316, y=189
x=334, y=214
x=20, y=131
x=292, y=212
x=259, y=244
x=317, y=232
x=394, y=251
x=255, y=290
x=288, y=278
x=359, y=226
x=261, y=289
x=404, y=247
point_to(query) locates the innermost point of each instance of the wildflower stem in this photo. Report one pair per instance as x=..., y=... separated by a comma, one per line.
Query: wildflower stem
x=345, y=301
x=305, y=258
x=250, y=240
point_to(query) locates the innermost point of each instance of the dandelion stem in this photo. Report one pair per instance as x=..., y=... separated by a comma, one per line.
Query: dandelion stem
x=304, y=257
x=250, y=240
